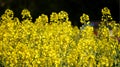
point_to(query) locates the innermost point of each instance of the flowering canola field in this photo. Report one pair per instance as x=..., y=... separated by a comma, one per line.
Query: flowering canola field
x=56, y=43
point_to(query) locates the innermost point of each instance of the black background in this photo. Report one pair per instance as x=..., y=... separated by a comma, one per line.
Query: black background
x=75, y=8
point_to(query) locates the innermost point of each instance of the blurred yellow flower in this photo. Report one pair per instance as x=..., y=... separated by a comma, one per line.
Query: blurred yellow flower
x=57, y=43
x=84, y=19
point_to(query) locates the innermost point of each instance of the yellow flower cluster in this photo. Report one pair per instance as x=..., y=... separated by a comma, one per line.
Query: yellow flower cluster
x=106, y=15
x=57, y=43
x=84, y=18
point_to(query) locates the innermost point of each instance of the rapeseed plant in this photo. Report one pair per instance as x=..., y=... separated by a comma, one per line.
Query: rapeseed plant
x=57, y=43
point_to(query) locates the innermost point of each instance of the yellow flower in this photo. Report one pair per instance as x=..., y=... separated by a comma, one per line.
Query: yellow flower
x=106, y=14
x=42, y=20
x=57, y=44
x=105, y=10
x=54, y=17
x=26, y=14
x=62, y=15
x=11, y=65
x=114, y=52
x=84, y=18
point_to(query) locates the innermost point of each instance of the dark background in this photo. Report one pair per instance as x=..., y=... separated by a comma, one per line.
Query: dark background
x=75, y=8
